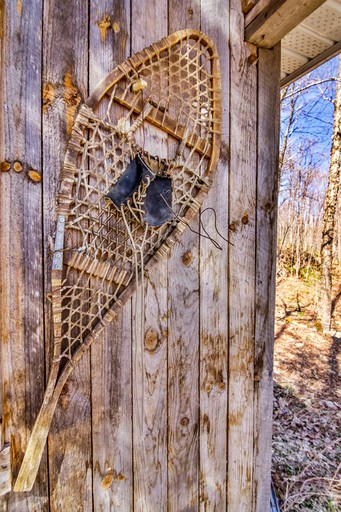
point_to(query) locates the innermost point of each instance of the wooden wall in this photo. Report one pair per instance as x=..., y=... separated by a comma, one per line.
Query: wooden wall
x=182, y=421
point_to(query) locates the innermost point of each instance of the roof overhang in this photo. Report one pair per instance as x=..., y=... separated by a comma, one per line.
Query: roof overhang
x=310, y=32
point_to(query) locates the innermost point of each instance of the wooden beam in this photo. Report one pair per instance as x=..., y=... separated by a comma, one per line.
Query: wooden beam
x=312, y=64
x=247, y=5
x=270, y=20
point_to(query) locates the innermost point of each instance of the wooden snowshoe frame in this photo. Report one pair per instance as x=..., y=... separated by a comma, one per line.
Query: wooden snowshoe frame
x=175, y=86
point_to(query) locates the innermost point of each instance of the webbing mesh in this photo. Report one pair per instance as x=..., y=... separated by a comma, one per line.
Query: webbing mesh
x=178, y=96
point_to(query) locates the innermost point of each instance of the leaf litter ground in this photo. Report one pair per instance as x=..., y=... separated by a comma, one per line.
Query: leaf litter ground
x=307, y=400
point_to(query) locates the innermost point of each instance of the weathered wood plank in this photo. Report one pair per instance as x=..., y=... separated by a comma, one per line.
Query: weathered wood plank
x=150, y=398
x=267, y=187
x=5, y=470
x=65, y=63
x=111, y=354
x=197, y=451
x=183, y=360
x=21, y=274
x=213, y=296
x=259, y=6
x=183, y=349
x=247, y=5
x=270, y=20
x=242, y=218
x=150, y=347
x=5, y=487
x=112, y=424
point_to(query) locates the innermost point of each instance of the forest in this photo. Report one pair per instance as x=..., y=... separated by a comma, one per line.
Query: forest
x=307, y=407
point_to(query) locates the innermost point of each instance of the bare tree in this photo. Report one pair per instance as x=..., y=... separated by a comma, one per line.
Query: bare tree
x=306, y=130
x=329, y=213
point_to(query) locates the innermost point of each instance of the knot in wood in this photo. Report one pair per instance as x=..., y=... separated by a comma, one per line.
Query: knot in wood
x=116, y=27
x=245, y=218
x=108, y=479
x=103, y=26
x=187, y=258
x=34, y=175
x=184, y=421
x=151, y=340
x=5, y=166
x=208, y=387
x=105, y=23
x=17, y=166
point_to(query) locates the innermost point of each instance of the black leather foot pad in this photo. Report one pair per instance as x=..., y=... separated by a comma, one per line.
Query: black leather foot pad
x=126, y=185
x=158, y=202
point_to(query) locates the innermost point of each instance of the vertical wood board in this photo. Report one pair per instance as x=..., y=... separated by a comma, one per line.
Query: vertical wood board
x=65, y=86
x=267, y=189
x=242, y=219
x=183, y=339
x=149, y=352
x=111, y=386
x=213, y=294
x=21, y=270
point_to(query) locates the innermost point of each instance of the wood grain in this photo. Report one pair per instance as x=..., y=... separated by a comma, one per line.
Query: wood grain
x=242, y=218
x=247, y=5
x=183, y=359
x=5, y=470
x=214, y=298
x=270, y=20
x=111, y=422
x=183, y=349
x=111, y=354
x=193, y=393
x=267, y=189
x=149, y=363
x=21, y=274
x=65, y=60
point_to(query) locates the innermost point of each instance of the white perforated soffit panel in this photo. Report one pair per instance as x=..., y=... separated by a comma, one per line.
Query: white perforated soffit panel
x=326, y=20
x=318, y=32
x=305, y=42
x=291, y=61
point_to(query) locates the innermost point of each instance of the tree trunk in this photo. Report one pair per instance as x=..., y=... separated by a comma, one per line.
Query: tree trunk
x=329, y=214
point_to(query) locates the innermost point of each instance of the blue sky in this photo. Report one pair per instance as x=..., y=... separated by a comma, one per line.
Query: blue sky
x=313, y=121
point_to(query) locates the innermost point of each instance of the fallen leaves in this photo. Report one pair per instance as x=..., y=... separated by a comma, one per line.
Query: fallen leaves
x=307, y=405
